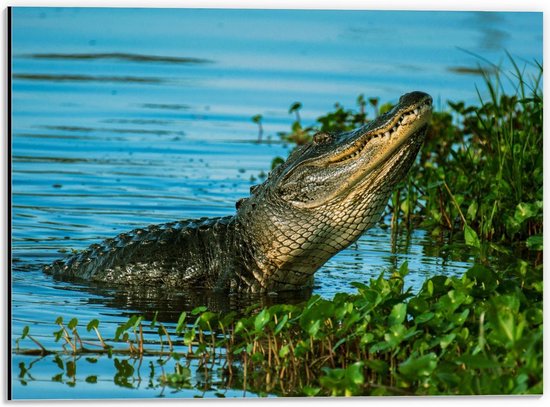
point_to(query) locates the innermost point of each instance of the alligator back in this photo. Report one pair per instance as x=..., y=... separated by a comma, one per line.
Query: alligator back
x=177, y=254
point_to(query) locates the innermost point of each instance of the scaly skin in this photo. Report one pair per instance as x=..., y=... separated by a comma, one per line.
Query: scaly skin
x=318, y=202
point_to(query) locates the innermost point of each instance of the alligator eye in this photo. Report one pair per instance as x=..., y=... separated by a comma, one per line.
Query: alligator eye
x=322, y=138
x=239, y=203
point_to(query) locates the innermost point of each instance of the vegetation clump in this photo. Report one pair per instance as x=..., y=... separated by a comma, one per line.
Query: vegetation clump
x=476, y=334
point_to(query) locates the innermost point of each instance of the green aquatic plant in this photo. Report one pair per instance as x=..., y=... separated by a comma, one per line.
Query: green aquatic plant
x=476, y=334
x=485, y=175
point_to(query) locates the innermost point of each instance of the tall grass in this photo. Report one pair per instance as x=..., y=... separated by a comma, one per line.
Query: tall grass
x=487, y=176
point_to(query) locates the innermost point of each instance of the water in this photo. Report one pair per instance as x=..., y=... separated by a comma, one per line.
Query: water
x=125, y=117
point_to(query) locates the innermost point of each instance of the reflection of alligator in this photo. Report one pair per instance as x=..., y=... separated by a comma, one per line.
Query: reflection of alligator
x=320, y=200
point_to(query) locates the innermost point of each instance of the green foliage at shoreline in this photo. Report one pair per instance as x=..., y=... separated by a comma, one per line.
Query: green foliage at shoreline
x=477, y=334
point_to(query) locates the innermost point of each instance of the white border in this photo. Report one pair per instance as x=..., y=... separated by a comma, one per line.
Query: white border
x=449, y=5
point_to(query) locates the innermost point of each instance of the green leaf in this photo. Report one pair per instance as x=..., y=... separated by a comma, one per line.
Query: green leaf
x=447, y=340
x=198, y=310
x=472, y=211
x=73, y=323
x=189, y=336
x=403, y=269
x=91, y=379
x=284, y=351
x=417, y=306
x=534, y=242
x=478, y=361
x=261, y=319
x=525, y=211
x=181, y=322
x=25, y=332
x=417, y=367
x=470, y=236
x=314, y=328
x=398, y=314
x=281, y=324
x=154, y=320
x=425, y=317
x=58, y=335
x=340, y=341
x=295, y=106
x=354, y=373
x=311, y=391
x=94, y=323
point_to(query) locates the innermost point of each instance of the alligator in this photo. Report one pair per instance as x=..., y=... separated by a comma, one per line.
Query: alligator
x=316, y=203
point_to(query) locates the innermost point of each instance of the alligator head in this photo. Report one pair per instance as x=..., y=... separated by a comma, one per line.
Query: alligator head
x=328, y=193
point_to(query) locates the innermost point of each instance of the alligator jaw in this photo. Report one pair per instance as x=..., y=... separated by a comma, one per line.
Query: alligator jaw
x=332, y=167
x=394, y=132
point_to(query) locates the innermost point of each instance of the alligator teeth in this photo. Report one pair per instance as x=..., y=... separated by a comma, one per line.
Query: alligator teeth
x=416, y=111
x=387, y=134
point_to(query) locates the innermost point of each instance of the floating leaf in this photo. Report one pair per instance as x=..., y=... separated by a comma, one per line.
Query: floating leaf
x=91, y=379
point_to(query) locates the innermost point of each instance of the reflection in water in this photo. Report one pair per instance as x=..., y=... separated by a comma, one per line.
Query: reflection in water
x=491, y=35
x=86, y=78
x=167, y=106
x=466, y=70
x=115, y=130
x=120, y=56
x=170, y=303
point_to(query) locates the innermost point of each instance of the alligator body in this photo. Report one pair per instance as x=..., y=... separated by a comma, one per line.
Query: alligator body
x=319, y=201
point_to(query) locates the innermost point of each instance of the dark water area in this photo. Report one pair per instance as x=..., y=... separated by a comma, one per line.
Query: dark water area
x=127, y=117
